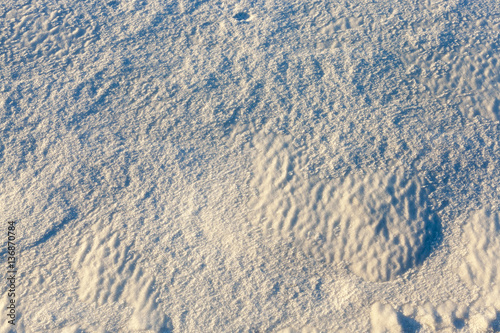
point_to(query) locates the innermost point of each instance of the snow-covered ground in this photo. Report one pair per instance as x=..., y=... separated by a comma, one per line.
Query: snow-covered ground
x=251, y=166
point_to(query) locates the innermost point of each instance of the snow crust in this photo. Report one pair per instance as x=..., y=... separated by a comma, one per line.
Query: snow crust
x=252, y=166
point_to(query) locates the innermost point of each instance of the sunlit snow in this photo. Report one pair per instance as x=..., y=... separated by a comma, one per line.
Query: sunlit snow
x=252, y=166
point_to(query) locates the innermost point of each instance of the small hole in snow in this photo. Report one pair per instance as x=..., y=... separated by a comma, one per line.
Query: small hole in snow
x=241, y=16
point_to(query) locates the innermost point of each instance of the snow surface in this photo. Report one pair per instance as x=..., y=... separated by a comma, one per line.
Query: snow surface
x=252, y=166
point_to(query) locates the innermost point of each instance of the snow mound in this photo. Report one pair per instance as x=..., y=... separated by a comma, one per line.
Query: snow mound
x=481, y=264
x=379, y=223
x=108, y=272
x=384, y=319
